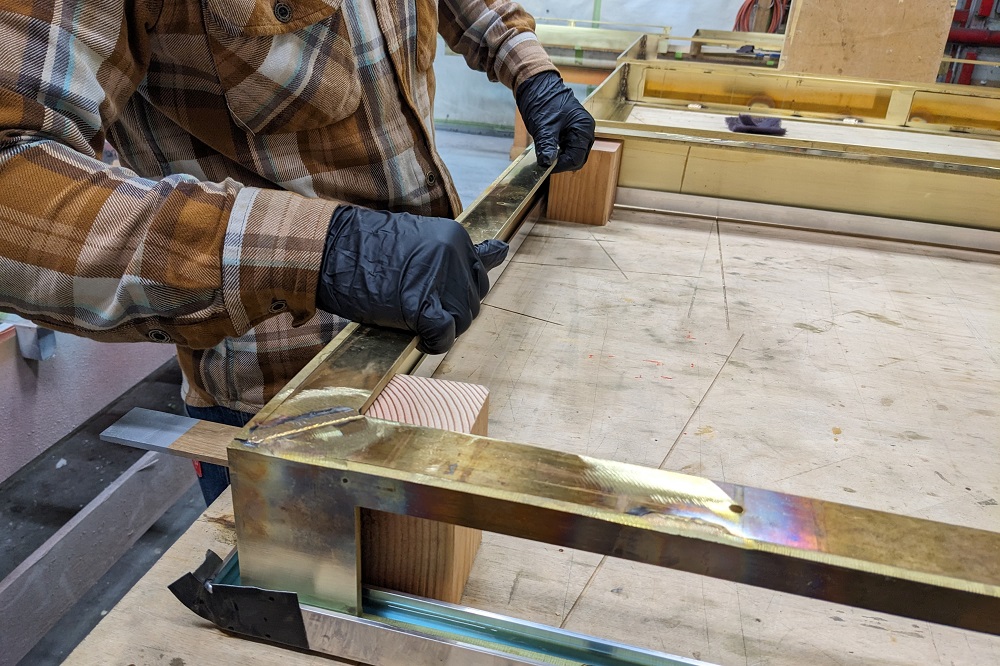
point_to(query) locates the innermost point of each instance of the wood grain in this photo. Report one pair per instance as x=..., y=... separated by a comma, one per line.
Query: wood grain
x=435, y=403
x=402, y=553
x=587, y=196
x=414, y=555
x=898, y=41
x=206, y=441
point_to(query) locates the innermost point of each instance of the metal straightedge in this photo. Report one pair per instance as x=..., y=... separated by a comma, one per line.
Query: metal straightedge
x=396, y=628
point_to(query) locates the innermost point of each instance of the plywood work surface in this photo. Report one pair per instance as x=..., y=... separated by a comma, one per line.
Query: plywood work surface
x=828, y=135
x=861, y=372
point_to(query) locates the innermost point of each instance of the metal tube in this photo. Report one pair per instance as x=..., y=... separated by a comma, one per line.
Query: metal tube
x=975, y=37
x=285, y=474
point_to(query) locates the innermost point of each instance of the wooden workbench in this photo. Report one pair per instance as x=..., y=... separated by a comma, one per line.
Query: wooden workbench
x=863, y=372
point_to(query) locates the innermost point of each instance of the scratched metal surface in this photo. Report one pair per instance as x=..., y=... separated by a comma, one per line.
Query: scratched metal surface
x=850, y=371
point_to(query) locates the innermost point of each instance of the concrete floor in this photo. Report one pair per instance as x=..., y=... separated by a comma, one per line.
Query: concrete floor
x=474, y=161
x=37, y=500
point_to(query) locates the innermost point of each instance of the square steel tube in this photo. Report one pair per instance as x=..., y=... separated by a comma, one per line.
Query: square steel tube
x=298, y=485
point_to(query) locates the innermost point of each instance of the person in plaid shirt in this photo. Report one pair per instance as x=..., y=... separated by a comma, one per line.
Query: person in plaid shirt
x=279, y=176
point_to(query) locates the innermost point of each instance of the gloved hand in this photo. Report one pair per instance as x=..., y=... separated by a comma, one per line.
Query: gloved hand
x=559, y=124
x=406, y=271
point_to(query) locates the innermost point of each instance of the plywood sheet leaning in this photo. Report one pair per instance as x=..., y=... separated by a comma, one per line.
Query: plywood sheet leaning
x=901, y=41
x=415, y=555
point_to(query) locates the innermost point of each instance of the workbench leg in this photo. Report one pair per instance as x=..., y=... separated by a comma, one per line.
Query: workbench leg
x=415, y=555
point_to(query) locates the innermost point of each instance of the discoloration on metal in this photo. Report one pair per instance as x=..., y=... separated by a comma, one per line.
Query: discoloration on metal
x=357, y=364
x=293, y=489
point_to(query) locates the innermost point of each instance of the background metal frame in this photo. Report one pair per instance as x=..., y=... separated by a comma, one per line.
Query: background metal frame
x=847, y=177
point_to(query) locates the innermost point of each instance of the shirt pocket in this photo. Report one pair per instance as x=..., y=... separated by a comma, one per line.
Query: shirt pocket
x=427, y=30
x=283, y=76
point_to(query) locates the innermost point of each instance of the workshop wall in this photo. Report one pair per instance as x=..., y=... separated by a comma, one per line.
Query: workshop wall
x=467, y=99
x=43, y=401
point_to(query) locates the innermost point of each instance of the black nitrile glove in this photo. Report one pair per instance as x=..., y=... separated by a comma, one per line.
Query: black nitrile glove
x=557, y=121
x=405, y=271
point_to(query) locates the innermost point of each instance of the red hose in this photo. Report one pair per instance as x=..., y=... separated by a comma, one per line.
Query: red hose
x=965, y=76
x=743, y=16
x=976, y=37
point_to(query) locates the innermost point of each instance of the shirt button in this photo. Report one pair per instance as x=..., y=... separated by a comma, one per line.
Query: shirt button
x=283, y=11
x=278, y=306
x=432, y=179
x=156, y=335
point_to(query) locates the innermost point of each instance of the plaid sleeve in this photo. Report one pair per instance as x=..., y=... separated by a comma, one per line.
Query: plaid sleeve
x=95, y=250
x=496, y=37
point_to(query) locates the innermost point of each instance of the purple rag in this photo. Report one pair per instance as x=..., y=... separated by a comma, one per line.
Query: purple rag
x=750, y=125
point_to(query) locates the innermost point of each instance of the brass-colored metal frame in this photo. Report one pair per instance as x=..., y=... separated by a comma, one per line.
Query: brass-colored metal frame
x=357, y=364
x=309, y=461
x=299, y=485
x=732, y=88
x=949, y=188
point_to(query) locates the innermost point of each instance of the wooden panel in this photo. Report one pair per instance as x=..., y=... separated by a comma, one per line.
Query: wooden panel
x=797, y=179
x=901, y=40
x=521, y=136
x=588, y=195
x=959, y=111
x=653, y=165
x=869, y=139
x=843, y=185
x=414, y=555
x=42, y=588
x=205, y=441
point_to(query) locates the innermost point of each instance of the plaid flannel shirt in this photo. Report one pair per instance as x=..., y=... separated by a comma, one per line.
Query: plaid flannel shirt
x=241, y=125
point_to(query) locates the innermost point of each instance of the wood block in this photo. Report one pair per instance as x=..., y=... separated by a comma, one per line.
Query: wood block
x=402, y=553
x=898, y=41
x=587, y=196
x=415, y=555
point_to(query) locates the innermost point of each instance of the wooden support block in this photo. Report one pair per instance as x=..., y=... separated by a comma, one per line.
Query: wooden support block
x=587, y=196
x=402, y=553
x=414, y=555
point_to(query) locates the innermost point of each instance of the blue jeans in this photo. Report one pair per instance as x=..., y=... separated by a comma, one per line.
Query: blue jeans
x=213, y=479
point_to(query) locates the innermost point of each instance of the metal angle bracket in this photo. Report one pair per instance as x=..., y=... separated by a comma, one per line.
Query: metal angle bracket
x=268, y=615
x=395, y=628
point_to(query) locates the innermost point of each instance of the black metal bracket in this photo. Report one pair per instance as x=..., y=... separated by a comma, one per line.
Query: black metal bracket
x=268, y=615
